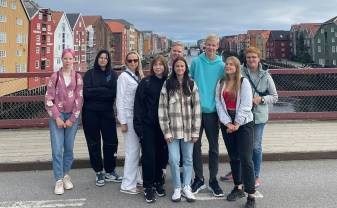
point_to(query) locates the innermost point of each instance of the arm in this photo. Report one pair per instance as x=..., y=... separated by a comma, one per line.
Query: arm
x=273, y=96
x=122, y=83
x=196, y=113
x=220, y=107
x=138, y=110
x=78, y=99
x=50, y=96
x=163, y=116
x=245, y=106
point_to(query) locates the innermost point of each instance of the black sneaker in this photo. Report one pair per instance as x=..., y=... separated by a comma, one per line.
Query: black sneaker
x=149, y=195
x=215, y=189
x=99, y=179
x=235, y=194
x=250, y=202
x=198, y=185
x=160, y=191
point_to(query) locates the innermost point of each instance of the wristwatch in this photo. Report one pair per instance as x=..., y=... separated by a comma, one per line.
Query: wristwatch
x=262, y=100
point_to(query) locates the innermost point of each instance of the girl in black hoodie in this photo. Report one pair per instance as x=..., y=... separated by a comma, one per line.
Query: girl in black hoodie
x=98, y=118
x=146, y=125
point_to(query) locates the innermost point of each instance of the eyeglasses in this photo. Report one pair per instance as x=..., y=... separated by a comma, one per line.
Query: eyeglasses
x=132, y=60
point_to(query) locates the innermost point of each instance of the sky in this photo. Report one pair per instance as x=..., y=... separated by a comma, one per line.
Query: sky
x=190, y=20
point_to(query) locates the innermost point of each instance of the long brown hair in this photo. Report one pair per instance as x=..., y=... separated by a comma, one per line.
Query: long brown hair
x=237, y=80
x=161, y=59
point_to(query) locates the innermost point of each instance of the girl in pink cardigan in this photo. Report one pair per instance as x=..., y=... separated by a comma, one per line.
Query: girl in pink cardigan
x=63, y=102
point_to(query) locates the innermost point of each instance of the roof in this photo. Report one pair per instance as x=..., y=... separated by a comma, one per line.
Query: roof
x=122, y=21
x=280, y=35
x=31, y=7
x=72, y=18
x=266, y=34
x=56, y=16
x=332, y=20
x=255, y=32
x=90, y=20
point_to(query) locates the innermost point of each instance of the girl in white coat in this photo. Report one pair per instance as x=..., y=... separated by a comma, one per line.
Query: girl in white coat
x=126, y=89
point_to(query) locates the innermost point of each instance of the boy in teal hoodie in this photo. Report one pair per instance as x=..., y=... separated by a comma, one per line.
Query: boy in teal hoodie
x=206, y=70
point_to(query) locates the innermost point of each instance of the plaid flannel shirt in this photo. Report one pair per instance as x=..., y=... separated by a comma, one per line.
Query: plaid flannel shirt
x=179, y=116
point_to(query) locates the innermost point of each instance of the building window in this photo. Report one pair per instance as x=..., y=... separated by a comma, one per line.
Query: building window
x=48, y=39
x=58, y=60
x=318, y=40
x=3, y=37
x=36, y=64
x=19, y=38
x=333, y=40
x=332, y=29
x=282, y=44
x=48, y=28
x=282, y=49
x=83, y=58
x=80, y=24
x=3, y=18
x=2, y=69
x=2, y=54
x=38, y=26
x=318, y=49
x=322, y=31
x=18, y=53
x=75, y=47
x=13, y=5
x=19, y=22
x=3, y=3
x=48, y=50
x=40, y=16
x=37, y=50
x=49, y=18
x=47, y=63
x=333, y=49
x=321, y=62
x=335, y=34
x=17, y=67
x=37, y=38
x=334, y=62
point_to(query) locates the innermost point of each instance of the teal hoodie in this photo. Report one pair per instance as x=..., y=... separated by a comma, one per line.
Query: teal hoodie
x=206, y=74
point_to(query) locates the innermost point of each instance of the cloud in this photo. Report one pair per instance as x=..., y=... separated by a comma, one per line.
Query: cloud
x=192, y=20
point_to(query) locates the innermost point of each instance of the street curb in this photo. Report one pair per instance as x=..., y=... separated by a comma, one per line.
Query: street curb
x=84, y=163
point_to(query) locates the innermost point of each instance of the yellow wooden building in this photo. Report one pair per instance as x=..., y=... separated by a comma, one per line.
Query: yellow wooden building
x=14, y=30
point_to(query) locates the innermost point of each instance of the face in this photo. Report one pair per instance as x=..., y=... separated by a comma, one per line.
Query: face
x=158, y=68
x=132, y=61
x=68, y=60
x=210, y=48
x=230, y=68
x=180, y=68
x=103, y=60
x=176, y=51
x=252, y=60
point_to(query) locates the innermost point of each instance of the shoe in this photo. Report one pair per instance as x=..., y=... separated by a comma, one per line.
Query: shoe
x=140, y=183
x=113, y=177
x=187, y=193
x=176, y=197
x=227, y=177
x=160, y=191
x=258, y=183
x=131, y=191
x=198, y=185
x=100, y=179
x=67, y=182
x=59, y=189
x=215, y=189
x=250, y=202
x=235, y=194
x=149, y=195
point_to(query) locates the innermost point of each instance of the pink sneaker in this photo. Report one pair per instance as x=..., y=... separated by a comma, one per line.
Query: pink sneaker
x=227, y=177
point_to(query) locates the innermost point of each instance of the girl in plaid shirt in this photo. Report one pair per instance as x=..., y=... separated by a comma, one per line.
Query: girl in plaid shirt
x=180, y=118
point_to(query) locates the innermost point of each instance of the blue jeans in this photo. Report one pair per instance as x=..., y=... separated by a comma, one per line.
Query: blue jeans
x=174, y=160
x=62, y=145
x=257, y=148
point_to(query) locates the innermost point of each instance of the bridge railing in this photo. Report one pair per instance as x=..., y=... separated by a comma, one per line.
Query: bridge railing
x=303, y=94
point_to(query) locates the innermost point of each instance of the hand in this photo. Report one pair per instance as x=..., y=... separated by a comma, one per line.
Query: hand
x=257, y=100
x=236, y=126
x=169, y=140
x=194, y=139
x=230, y=128
x=124, y=128
x=60, y=123
x=68, y=124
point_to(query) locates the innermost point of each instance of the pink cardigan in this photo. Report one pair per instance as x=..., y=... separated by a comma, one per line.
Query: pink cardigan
x=62, y=98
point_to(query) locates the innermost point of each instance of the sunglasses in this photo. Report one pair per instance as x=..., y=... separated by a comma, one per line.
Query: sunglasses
x=132, y=60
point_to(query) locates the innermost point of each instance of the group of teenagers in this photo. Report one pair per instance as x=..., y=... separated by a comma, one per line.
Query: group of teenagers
x=162, y=118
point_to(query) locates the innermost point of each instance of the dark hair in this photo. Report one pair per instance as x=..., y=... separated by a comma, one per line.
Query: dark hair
x=172, y=83
x=108, y=65
x=163, y=61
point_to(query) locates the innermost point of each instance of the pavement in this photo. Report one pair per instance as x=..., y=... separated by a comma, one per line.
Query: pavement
x=29, y=149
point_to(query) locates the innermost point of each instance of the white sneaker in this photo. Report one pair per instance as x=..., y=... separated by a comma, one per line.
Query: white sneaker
x=67, y=182
x=187, y=193
x=59, y=187
x=176, y=197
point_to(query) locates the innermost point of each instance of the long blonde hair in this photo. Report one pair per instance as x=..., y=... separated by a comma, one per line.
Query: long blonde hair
x=139, y=71
x=237, y=80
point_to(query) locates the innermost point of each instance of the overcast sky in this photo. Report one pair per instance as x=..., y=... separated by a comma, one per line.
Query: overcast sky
x=190, y=20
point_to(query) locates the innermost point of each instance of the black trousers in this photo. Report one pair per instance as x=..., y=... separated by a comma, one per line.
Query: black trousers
x=154, y=155
x=239, y=146
x=97, y=125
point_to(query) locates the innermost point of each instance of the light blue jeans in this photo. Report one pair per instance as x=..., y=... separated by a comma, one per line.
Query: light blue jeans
x=174, y=159
x=62, y=145
x=257, y=148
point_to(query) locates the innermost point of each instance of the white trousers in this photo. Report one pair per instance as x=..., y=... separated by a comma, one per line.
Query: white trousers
x=132, y=155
